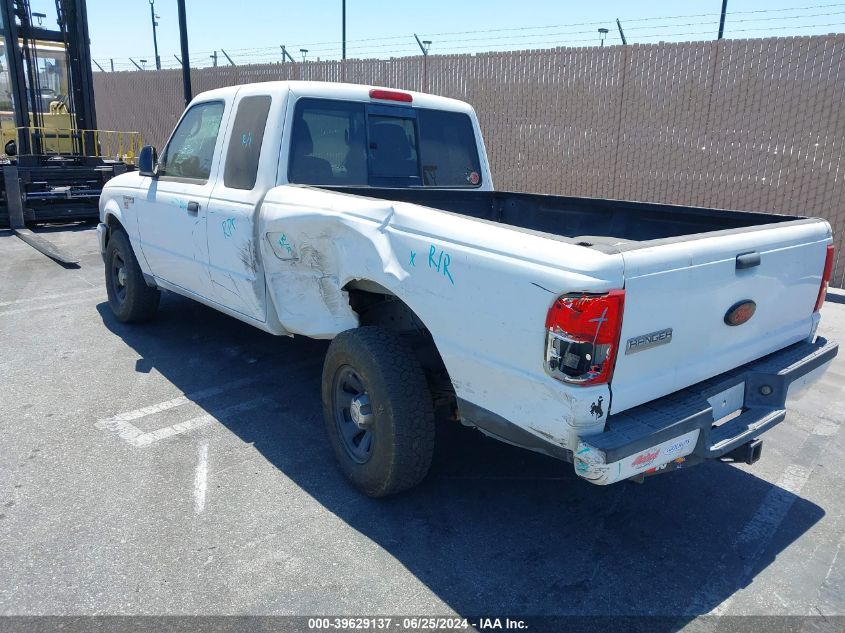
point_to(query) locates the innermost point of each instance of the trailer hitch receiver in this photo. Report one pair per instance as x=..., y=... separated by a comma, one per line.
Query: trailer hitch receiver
x=747, y=453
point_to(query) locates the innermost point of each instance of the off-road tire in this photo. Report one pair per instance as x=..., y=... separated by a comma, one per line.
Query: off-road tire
x=134, y=300
x=401, y=404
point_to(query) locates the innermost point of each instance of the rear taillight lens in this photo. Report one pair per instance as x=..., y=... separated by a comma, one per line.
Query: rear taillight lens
x=828, y=269
x=582, y=336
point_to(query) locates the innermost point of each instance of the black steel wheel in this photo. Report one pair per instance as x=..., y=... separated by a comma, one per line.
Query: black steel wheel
x=353, y=414
x=118, y=277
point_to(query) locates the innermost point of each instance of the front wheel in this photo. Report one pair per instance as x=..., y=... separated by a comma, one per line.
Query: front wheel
x=130, y=298
x=378, y=411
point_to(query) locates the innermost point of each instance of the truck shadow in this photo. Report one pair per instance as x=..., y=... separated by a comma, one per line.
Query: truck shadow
x=494, y=529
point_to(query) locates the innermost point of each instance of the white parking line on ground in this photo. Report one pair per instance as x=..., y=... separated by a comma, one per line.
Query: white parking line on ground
x=775, y=505
x=201, y=480
x=826, y=428
x=121, y=424
x=830, y=586
x=757, y=533
x=52, y=297
x=766, y=520
x=114, y=425
x=145, y=439
x=49, y=306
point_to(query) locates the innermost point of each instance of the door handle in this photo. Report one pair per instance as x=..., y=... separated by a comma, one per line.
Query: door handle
x=193, y=207
x=747, y=260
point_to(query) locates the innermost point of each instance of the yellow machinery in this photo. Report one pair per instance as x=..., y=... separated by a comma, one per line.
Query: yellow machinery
x=57, y=138
x=53, y=159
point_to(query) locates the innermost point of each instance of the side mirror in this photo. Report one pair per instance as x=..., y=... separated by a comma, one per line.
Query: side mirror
x=147, y=160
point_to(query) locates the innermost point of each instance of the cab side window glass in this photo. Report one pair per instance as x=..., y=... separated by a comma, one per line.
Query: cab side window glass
x=191, y=149
x=447, y=149
x=245, y=144
x=328, y=143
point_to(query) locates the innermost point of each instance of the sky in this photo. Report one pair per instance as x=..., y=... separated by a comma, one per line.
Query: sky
x=252, y=31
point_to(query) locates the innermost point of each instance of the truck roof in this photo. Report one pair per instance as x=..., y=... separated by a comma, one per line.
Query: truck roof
x=333, y=90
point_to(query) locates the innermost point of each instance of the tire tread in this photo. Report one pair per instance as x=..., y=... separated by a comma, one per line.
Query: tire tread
x=141, y=301
x=402, y=377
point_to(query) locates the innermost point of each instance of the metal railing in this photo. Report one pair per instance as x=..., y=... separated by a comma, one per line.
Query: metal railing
x=107, y=144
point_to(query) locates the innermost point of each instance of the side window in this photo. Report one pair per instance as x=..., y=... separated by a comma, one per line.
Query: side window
x=448, y=150
x=245, y=145
x=328, y=143
x=191, y=149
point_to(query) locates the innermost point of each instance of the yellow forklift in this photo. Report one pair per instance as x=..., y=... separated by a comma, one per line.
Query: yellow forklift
x=54, y=159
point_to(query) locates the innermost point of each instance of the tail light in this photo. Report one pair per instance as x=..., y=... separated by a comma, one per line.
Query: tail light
x=582, y=336
x=828, y=269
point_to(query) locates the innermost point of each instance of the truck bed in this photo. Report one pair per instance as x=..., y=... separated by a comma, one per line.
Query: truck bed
x=684, y=269
x=590, y=221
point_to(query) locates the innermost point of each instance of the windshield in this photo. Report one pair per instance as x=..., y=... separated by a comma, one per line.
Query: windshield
x=348, y=143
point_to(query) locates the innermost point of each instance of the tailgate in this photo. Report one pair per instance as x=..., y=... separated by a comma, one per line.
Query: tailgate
x=688, y=285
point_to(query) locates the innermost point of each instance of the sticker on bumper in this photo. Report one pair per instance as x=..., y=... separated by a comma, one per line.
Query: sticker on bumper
x=590, y=461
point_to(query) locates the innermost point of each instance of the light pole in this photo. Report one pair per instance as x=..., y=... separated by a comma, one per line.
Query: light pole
x=424, y=46
x=603, y=33
x=183, y=43
x=304, y=52
x=153, y=18
x=621, y=32
x=343, y=16
x=722, y=19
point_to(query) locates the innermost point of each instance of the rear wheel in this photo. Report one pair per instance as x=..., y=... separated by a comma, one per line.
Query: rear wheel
x=130, y=298
x=378, y=411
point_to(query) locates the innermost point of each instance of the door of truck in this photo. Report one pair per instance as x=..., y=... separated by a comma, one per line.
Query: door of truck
x=172, y=214
x=248, y=169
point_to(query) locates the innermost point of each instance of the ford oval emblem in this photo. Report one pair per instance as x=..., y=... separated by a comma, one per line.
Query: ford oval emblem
x=740, y=312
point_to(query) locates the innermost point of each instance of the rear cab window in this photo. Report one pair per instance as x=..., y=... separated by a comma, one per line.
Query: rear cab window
x=346, y=143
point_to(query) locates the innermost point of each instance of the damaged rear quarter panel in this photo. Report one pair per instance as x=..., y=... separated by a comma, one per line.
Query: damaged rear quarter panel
x=482, y=290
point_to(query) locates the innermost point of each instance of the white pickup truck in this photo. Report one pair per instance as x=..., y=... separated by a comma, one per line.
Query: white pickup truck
x=625, y=338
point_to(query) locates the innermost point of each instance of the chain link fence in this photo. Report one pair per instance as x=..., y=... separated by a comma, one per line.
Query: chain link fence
x=756, y=125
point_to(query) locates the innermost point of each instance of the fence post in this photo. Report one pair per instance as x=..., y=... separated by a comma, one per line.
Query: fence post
x=618, y=144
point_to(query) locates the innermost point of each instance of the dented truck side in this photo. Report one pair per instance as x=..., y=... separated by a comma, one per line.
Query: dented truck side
x=547, y=322
x=467, y=293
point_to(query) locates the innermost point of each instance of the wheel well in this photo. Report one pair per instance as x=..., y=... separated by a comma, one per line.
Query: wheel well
x=375, y=305
x=113, y=222
x=114, y=225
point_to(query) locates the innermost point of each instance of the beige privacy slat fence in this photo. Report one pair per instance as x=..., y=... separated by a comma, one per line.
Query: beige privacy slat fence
x=754, y=125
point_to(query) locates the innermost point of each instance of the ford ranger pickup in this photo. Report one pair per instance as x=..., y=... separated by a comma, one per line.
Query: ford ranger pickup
x=626, y=338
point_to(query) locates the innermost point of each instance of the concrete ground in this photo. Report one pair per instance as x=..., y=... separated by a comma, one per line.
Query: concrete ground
x=180, y=467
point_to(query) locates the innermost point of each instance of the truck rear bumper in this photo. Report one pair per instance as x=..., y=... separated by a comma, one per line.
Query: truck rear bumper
x=705, y=421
